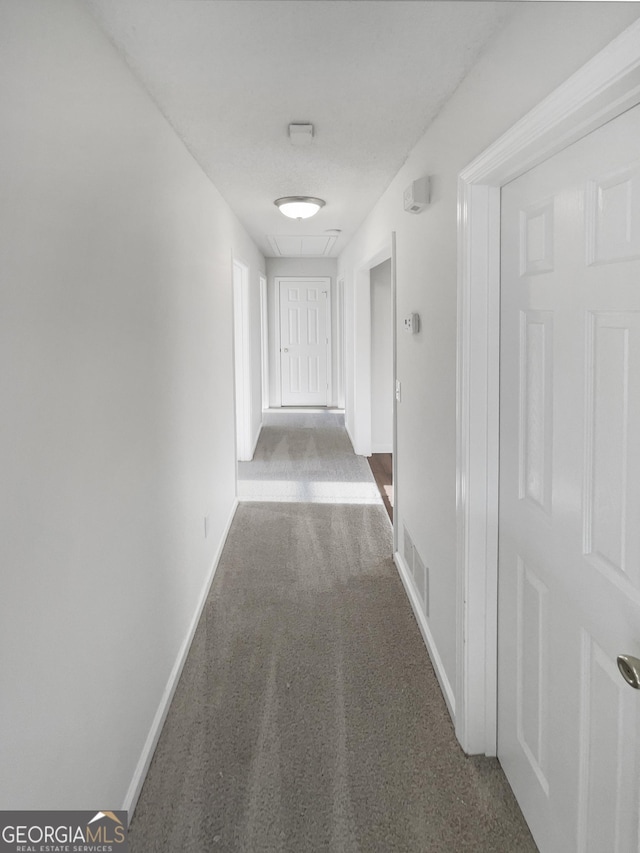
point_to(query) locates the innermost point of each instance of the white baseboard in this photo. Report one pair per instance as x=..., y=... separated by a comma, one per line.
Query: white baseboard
x=140, y=773
x=382, y=448
x=427, y=636
x=353, y=444
x=304, y=410
x=255, y=440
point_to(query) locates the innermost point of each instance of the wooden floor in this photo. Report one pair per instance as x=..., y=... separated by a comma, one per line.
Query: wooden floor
x=382, y=470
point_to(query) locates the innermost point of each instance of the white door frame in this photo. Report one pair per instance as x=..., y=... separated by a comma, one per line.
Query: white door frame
x=604, y=88
x=320, y=280
x=362, y=345
x=361, y=438
x=340, y=347
x=242, y=360
x=264, y=339
x=394, y=344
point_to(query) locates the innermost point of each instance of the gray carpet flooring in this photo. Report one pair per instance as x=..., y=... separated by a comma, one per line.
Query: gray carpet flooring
x=308, y=716
x=306, y=458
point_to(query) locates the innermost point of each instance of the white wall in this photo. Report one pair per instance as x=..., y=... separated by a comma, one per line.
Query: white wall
x=381, y=359
x=116, y=381
x=299, y=267
x=541, y=45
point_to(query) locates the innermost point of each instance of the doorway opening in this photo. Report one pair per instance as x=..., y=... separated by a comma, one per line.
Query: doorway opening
x=597, y=94
x=382, y=390
x=303, y=332
x=603, y=89
x=371, y=382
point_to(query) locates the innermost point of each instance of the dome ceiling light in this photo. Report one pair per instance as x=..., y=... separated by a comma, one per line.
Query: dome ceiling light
x=299, y=206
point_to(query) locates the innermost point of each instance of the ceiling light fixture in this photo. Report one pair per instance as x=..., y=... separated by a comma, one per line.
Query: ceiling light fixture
x=299, y=206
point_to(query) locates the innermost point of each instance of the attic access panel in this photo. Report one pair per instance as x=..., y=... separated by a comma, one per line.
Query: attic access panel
x=295, y=246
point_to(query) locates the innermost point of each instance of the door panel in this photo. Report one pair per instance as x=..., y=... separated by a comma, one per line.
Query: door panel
x=569, y=548
x=304, y=343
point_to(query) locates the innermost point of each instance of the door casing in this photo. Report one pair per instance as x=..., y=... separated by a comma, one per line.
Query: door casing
x=242, y=360
x=605, y=87
x=361, y=362
x=340, y=345
x=322, y=280
x=264, y=340
x=361, y=438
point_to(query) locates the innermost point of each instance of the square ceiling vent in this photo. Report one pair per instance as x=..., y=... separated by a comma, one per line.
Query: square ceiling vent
x=316, y=246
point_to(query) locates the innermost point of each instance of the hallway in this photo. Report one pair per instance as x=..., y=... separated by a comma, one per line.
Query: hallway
x=308, y=716
x=150, y=319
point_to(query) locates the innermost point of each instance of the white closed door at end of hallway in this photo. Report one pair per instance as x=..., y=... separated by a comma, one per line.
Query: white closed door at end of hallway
x=304, y=343
x=569, y=546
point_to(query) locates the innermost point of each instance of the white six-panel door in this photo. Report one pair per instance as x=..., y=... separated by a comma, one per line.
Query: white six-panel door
x=304, y=342
x=569, y=541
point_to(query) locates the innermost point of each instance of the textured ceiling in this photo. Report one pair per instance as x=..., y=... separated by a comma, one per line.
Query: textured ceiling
x=230, y=75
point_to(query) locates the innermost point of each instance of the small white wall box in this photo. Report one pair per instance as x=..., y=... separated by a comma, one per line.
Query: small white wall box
x=412, y=324
x=301, y=134
x=417, y=195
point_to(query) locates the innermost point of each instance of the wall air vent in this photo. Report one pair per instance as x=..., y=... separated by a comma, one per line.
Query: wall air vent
x=419, y=572
x=408, y=550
